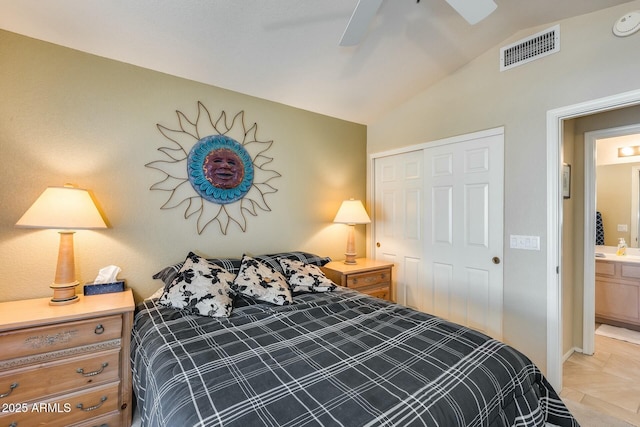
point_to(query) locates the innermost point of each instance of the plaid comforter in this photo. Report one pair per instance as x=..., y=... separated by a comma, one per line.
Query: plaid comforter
x=333, y=359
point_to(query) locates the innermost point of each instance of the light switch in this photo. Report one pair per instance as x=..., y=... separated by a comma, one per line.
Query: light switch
x=529, y=243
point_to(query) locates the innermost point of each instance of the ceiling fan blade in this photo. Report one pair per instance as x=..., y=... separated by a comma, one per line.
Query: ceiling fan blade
x=473, y=11
x=359, y=22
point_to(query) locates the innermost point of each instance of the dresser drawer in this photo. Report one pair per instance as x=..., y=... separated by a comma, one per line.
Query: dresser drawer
x=110, y=420
x=23, y=385
x=64, y=410
x=373, y=279
x=61, y=336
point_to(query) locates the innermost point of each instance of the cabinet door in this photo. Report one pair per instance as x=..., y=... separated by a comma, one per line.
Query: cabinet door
x=617, y=300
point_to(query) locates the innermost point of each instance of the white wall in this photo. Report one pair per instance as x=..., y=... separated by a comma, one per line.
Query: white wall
x=68, y=116
x=592, y=63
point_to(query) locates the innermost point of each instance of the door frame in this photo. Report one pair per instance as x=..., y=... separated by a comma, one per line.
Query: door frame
x=555, y=145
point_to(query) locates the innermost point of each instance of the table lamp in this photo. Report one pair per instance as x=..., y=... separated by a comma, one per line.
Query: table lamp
x=351, y=212
x=66, y=208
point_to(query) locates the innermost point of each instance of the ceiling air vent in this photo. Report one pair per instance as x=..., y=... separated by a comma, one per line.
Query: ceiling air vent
x=526, y=50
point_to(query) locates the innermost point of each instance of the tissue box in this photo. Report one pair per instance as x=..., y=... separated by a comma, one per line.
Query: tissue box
x=103, y=288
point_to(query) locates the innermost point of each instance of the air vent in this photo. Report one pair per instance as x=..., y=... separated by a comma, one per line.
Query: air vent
x=529, y=49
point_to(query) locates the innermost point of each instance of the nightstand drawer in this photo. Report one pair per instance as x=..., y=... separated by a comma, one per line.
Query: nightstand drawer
x=369, y=279
x=58, y=337
x=382, y=293
x=65, y=410
x=69, y=375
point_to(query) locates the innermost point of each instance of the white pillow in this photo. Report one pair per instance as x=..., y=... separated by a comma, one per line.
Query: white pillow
x=200, y=288
x=305, y=277
x=262, y=282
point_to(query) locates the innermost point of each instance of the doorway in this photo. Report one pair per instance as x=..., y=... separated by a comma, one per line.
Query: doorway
x=592, y=140
x=555, y=122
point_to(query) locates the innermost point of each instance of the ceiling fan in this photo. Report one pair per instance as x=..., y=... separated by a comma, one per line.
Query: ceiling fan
x=473, y=11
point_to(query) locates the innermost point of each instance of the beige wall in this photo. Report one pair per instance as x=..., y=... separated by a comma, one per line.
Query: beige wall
x=67, y=116
x=592, y=63
x=568, y=251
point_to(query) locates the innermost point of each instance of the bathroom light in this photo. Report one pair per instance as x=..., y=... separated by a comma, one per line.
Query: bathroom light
x=629, y=151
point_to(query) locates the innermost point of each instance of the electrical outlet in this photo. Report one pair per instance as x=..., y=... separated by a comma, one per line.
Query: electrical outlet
x=623, y=227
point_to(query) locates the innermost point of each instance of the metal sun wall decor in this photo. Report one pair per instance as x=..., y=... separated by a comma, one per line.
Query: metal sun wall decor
x=218, y=169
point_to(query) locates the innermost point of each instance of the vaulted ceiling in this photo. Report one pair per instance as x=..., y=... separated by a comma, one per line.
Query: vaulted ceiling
x=287, y=50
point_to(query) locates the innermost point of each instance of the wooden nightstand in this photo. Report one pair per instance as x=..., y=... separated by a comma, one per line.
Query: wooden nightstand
x=368, y=276
x=66, y=365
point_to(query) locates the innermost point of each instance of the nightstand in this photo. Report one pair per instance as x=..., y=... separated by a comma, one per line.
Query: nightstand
x=66, y=365
x=369, y=276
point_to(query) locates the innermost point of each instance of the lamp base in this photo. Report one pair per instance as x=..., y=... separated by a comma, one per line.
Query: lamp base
x=350, y=259
x=350, y=252
x=64, y=293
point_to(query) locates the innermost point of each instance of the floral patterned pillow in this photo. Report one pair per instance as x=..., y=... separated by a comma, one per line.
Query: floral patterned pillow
x=200, y=287
x=262, y=282
x=305, y=277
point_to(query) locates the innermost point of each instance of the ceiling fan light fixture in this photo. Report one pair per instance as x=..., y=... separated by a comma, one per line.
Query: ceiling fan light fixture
x=473, y=11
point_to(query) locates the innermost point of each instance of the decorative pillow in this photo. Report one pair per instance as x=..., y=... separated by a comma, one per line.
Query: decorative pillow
x=169, y=274
x=305, y=277
x=200, y=287
x=262, y=282
x=272, y=260
x=232, y=265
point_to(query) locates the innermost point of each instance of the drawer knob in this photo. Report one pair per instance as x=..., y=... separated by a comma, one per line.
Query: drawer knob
x=11, y=388
x=94, y=407
x=99, y=329
x=91, y=374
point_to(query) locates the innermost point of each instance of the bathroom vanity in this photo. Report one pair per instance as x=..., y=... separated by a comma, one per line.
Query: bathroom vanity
x=618, y=291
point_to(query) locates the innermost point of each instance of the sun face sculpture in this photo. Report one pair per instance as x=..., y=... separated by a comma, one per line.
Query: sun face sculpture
x=215, y=169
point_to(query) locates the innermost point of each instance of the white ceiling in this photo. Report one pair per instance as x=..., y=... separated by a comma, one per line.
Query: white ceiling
x=287, y=50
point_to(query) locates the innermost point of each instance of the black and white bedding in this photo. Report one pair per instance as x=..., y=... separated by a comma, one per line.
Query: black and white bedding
x=330, y=358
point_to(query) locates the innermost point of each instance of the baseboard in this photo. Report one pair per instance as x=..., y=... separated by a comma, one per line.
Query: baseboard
x=570, y=352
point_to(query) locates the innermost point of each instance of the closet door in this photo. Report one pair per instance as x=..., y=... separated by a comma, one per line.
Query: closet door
x=399, y=219
x=464, y=232
x=438, y=215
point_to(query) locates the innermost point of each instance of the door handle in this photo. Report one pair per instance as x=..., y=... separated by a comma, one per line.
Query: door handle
x=495, y=260
x=378, y=244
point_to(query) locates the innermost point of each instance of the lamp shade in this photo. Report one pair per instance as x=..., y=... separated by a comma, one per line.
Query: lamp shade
x=352, y=212
x=63, y=208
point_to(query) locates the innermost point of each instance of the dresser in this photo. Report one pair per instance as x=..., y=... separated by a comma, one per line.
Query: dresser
x=618, y=293
x=369, y=276
x=66, y=365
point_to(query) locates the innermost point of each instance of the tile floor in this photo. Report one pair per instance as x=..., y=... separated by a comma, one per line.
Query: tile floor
x=608, y=381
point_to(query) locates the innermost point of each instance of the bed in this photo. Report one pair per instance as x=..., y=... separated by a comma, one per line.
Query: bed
x=330, y=356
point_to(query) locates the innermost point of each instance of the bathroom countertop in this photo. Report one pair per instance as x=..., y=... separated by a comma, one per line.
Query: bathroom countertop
x=616, y=258
x=609, y=252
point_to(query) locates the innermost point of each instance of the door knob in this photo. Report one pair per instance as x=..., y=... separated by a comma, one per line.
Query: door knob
x=495, y=260
x=378, y=244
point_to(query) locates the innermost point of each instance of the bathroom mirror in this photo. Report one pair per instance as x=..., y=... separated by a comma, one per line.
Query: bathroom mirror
x=617, y=190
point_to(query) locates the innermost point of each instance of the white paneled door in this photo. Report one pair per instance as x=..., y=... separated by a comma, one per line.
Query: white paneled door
x=439, y=217
x=399, y=222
